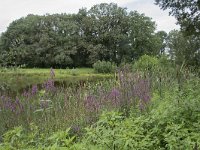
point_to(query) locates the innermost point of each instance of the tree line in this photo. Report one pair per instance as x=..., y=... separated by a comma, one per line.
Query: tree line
x=104, y=32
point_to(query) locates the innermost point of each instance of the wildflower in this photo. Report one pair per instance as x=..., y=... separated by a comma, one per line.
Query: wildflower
x=91, y=103
x=115, y=93
x=142, y=90
x=49, y=85
x=114, y=96
x=26, y=94
x=34, y=89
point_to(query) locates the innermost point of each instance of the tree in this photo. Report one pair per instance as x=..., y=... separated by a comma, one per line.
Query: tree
x=162, y=35
x=187, y=13
x=183, y=49
x=104, y=32
x=142, y=36
x=110, y=30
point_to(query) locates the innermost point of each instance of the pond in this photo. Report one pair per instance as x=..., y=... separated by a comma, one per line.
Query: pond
x=17, y=84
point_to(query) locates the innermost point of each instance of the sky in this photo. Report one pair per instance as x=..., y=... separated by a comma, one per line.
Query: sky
x=11, y=10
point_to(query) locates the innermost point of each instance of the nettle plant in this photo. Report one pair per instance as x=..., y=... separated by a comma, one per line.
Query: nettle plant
x=20, y=138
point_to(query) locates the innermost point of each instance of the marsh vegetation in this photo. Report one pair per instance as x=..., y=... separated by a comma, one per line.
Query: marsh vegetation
x=113, y=81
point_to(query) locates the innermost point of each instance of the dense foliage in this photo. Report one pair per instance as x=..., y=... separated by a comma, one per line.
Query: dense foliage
x=136, y=111
x=104, y=67
x=184, y=49
x=184, y=46
x=104, y=32
x=172, y=123
x=187, y=13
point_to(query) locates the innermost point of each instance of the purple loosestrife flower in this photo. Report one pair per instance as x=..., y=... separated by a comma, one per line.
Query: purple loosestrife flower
x=26, y=94
x=2, y=98
x=49, y=85
x=114, y=96
x=34, y=89
x=91, y=104
x=9, y=105
x=12, y=107
x=115, y=93
x=142, y=90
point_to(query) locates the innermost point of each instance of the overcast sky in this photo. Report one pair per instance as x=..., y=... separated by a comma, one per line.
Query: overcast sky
x=11, y=10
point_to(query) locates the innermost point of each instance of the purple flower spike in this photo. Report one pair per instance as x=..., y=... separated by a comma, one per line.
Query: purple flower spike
x=34, y=90
x=142, y=90
x=91, y=104
x=114, y=96
x=115, y=93
x=26, y=94
x=49, y=85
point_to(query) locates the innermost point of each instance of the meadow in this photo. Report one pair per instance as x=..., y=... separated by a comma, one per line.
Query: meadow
x=150, y=104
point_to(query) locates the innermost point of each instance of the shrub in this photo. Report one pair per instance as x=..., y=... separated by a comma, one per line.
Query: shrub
x=104, y=67
x=74, y=72
x=146, y=63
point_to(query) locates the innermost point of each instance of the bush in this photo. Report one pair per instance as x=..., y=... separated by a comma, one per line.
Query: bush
x=146, y=63
x=74, y=72
x=104, y=67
